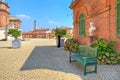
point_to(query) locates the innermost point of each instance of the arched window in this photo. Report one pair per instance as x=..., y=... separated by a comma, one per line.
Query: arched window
x=82, y=25
x=118, y=18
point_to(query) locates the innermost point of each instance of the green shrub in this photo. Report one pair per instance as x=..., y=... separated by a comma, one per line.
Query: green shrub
x=60, y=32
x=104, y=47
x=68, y=36
x=14, y=33
x=106, y=52
x=71, y=44
x=109, y=59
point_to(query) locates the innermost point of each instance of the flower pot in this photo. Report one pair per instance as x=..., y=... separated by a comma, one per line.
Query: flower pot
x=62, y=42
x=16, y=43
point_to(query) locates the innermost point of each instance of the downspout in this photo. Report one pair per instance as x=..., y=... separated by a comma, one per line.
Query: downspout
x=109, y=5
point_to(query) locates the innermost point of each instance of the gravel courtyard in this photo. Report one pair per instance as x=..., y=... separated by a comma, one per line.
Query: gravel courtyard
x=40, y=59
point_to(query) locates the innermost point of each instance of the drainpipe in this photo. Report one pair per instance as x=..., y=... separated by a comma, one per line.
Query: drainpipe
x=109, y=18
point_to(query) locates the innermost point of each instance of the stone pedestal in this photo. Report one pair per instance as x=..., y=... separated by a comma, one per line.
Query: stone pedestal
x=92, y=38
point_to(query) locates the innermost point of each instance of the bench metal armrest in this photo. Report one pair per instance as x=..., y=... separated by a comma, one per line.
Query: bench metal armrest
x=92, y=57
x=71, y=52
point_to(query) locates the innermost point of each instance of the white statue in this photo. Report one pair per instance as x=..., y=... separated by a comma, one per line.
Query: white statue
x=92, y=28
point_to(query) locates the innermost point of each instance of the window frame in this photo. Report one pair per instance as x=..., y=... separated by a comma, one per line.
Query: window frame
x=82, y=25
x=117, y=18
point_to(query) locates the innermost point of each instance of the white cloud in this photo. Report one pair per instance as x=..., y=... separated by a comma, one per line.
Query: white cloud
x=53, y=22
x=23, y=16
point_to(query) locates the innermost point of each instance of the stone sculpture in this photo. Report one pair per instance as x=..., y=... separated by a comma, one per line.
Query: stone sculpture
x=92, y=28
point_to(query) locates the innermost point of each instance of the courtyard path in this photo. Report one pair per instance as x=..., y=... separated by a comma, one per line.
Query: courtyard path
x=12, y=60
x=40, y=59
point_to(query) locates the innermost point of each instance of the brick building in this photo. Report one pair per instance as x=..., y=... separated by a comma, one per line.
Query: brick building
x=38, y=33
x=15, y=22
x=6, y=21
x=44, y=32
x=106, y=17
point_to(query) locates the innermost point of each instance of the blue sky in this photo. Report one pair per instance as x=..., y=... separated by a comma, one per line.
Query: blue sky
x=47, y=13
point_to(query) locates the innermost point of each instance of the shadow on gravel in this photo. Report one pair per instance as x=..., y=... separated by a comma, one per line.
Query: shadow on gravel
x=51, y=57
x=6, y=47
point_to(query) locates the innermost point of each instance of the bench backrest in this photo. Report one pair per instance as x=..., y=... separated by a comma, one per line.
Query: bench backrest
x=87, y=51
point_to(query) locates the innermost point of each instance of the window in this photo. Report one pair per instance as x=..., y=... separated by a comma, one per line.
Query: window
x=82, y=25
x=118, y=18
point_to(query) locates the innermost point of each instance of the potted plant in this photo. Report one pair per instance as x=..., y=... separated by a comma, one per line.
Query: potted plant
x=16, y=43
x=59, y=33
x=71, y=45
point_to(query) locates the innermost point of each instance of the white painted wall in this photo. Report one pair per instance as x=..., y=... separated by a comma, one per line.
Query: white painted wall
x=2, y=34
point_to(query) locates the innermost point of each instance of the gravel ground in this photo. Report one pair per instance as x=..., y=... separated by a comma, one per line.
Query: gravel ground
x=40, y=59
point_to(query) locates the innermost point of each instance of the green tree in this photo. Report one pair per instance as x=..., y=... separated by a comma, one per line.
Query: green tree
x=59, y=33
x=14, y=33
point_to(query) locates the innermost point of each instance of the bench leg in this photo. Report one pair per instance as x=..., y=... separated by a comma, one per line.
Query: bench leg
x=95, y=68
x=84, y=69
x=70, y=59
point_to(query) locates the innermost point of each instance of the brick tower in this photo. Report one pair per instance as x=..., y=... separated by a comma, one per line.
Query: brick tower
x=35, y=25
x=4, y=19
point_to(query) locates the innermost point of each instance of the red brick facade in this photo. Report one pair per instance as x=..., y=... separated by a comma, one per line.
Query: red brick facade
x=102, y=13
x=45, y=33
x=15, y=21
x=5, y=19
x=39, y=33
x=4, y=14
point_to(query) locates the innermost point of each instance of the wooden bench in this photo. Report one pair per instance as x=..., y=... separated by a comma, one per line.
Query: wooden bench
x=87, y=56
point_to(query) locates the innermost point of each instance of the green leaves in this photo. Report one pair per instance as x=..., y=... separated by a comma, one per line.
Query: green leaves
x=104, y=47
x=60, y=32
x=106, y=52
x=71, y=44
x=14, y=33
x=109, y=59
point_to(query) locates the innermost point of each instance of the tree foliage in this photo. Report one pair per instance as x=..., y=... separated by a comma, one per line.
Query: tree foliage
x=60, y=32
x=14, y=33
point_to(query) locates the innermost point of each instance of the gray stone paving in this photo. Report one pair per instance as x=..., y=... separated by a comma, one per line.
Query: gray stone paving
x=53, y=58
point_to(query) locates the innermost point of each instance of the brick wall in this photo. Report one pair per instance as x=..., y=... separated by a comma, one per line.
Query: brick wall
x=102, y=13
x=4, y=14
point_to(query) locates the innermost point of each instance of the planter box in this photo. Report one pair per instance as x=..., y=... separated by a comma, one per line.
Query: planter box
x=62, y=42
x=16, y=43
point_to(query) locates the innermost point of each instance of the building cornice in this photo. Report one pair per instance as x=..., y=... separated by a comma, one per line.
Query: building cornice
x=17, y=20
x=99, y=12
x=4, y=4
x=12, y=18
x=73, y=3
x=4, y=11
